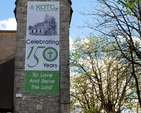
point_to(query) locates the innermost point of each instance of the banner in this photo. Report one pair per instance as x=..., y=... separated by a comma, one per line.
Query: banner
x=42, y=47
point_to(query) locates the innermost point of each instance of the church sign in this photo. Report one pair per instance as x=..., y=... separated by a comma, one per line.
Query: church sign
x=42, y=47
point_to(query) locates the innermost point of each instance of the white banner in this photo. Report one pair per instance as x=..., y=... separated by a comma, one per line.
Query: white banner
x=42, y=47
x=42, y=36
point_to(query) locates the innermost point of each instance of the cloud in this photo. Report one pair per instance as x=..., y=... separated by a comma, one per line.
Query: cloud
x=70, y=43
x=9, y=24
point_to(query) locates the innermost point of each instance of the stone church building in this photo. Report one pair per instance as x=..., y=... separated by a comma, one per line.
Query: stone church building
x=13, y=98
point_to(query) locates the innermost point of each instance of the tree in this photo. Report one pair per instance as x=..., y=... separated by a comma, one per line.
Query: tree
x=100, y=81
x=120, y=19
x=133, y=7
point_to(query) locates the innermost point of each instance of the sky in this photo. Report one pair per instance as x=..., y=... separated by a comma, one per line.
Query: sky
x=8, y=22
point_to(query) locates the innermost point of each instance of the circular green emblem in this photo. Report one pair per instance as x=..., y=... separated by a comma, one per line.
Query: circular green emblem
x=50, y=54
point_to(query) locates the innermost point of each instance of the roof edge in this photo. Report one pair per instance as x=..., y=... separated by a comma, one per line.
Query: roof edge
x=10, y=31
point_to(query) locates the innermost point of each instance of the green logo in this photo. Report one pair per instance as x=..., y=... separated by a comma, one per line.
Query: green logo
x=44, y=7
x=50, y=54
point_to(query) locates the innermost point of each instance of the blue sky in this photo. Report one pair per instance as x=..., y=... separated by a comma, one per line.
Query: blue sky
x=7, y=20
x=6, y=9
x=78, y=19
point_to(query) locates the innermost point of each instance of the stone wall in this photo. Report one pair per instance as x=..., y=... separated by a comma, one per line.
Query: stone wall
x=38, y=102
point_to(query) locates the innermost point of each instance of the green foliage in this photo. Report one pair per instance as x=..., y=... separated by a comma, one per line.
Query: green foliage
x=98, y=78
x=131, y=6
x=120, y=21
